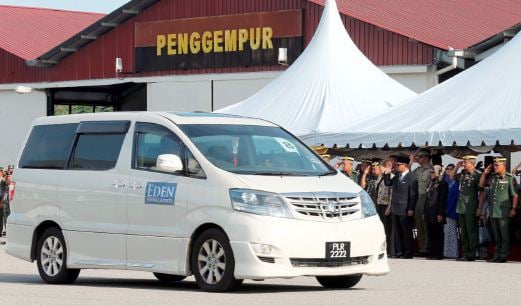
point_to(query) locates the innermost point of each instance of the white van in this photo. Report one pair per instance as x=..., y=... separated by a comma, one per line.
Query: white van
x=220, y=197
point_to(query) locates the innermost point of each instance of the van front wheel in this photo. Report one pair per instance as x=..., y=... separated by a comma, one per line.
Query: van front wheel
x=339, y=282
x=213, y=263
x=52, y=258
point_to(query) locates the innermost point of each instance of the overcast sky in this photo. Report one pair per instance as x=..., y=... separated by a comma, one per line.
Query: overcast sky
x=100, y=6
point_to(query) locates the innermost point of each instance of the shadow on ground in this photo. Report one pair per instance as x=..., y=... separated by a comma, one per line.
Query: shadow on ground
x=248, y=288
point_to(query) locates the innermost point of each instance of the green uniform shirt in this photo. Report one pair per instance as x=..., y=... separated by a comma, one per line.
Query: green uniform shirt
x=468, y=192
x=501, y=194
x=423, y=175
x=353, y=175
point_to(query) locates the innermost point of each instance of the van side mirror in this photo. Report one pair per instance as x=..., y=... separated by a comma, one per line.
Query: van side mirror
x=169, y=163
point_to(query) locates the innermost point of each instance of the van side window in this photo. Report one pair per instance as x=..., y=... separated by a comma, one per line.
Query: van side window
x=98, y=145
x=150, y=141
x=48, y=146
x=96, y=151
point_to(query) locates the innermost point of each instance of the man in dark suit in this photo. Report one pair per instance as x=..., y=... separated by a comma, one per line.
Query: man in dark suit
x=404, y=196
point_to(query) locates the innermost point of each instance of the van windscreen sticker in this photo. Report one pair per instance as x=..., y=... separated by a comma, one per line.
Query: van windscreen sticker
x=160, y=193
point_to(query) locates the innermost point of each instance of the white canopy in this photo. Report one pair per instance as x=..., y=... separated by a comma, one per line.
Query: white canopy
x=479, y=107
x=329, y=85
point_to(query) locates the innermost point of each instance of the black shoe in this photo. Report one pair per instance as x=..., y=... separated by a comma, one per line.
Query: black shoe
x=502, y=260
x=461, y=259
x=406, y=257
x=470, y=259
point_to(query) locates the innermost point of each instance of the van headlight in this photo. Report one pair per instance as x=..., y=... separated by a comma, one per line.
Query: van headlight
x=260, y=203
x=368, y=208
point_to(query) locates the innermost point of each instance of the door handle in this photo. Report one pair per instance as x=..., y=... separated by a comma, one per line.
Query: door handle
x=136, y=186
x=119, y=185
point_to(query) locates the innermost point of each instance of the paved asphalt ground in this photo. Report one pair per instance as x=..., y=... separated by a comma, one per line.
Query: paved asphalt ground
x=411, y=282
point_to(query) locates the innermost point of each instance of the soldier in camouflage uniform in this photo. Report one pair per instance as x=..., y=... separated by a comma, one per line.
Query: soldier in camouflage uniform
x=423, y=175
x=467, y=207
x=346, y=167
x=503, y=200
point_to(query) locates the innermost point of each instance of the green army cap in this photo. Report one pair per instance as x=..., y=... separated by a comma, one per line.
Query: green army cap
x=469, y=157
x=423, y=153
x=500, y=159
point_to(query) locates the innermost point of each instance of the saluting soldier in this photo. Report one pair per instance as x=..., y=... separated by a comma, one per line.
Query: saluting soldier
x=503, y=200
x=423, y=175
x=467, y=207
x=346, y=167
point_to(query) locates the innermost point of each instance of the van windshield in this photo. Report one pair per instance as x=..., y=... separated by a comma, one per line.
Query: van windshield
x=257, y=150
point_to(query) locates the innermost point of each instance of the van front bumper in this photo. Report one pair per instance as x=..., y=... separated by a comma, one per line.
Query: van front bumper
x=266, y=247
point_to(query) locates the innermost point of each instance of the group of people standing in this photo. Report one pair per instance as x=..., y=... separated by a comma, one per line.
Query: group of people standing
x=444, y=206
x=5, y=208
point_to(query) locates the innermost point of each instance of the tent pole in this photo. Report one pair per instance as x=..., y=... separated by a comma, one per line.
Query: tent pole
x=509, y=161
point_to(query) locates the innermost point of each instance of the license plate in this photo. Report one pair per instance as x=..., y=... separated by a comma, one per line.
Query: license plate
x=337, y=251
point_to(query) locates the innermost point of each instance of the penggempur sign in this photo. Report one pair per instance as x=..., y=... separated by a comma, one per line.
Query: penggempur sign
x=220, y=41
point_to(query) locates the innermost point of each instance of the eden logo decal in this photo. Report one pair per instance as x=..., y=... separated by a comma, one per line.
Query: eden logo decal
x=160, y=193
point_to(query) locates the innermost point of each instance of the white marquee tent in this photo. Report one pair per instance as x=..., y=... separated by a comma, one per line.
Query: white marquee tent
x=330, y=84
x=479, y=107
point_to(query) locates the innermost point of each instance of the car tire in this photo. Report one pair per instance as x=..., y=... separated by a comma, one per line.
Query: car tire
x=51, y=258
x=339, y=282
x=213, y=263
x=168, y=278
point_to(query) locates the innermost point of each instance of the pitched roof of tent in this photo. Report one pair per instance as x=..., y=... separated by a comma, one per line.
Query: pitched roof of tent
x=480, y=106
x=330, y=84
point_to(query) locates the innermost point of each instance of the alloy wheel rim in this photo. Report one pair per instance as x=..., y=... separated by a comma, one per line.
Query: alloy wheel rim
x=211, y=261
x=52, y=256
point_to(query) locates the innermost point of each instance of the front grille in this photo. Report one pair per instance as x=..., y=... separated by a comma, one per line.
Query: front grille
x=321, y=262
x=325, y=205
x=267, y=259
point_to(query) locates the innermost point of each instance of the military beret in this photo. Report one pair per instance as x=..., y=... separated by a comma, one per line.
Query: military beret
x=423, y=153
x=467, y=157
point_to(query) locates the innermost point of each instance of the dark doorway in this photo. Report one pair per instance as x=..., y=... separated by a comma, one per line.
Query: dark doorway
x=95, y=99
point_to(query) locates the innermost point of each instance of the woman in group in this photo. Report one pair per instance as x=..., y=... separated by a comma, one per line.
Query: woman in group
x=450, y=248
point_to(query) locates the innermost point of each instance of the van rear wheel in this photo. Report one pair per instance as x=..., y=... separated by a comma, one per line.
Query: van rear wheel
x=52, y=258
x=167, y=278
x=339, y=282
x=213, y=263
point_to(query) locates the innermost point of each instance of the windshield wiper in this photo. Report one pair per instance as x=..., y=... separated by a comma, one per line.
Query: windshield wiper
x=278, y=173
x=329, y=173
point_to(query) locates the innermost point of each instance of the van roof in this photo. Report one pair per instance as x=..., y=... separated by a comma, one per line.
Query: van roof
x=176, y=117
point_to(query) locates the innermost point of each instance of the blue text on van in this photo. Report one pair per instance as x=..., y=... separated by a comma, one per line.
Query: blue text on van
x=160, y=193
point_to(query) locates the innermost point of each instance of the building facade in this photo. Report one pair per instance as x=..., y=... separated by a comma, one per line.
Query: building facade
x=206, y=54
